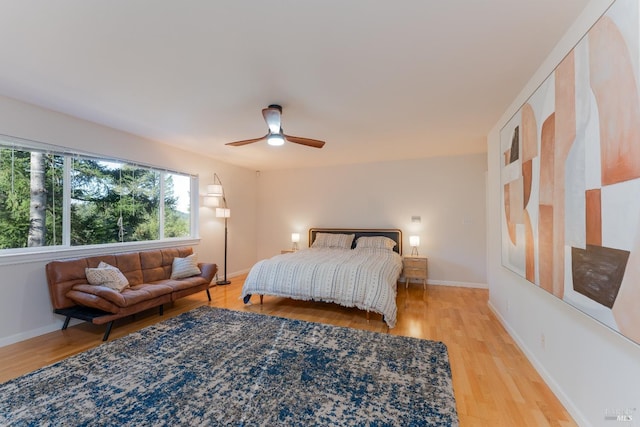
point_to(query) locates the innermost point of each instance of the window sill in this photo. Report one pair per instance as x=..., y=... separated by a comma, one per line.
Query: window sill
x=29, y=255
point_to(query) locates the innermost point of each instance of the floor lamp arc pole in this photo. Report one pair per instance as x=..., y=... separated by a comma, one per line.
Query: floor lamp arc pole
x=225, y=281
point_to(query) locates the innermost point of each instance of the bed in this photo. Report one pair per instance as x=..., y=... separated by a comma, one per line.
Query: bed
x=350, y=267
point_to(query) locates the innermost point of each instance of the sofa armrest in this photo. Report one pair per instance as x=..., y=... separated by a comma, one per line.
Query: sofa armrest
x=208, y=270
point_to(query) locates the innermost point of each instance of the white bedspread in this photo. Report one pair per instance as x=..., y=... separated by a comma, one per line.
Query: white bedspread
x=365, y=278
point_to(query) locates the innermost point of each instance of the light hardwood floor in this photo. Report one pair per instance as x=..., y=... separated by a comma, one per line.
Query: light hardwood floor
x=494, y=383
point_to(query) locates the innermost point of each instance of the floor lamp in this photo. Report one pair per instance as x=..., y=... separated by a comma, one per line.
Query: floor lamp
x=217, y=190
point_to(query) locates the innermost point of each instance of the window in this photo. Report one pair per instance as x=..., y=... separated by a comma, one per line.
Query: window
x=49, y=197
x=30, y=198
x=176, y=205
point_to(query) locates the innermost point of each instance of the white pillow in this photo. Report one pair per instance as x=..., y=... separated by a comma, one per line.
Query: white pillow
x=185, y=267
x=106, y=275
x=379, y=242
x=332, y=240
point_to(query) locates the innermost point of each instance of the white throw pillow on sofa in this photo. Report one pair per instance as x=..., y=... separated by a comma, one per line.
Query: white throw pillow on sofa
x=185, y=267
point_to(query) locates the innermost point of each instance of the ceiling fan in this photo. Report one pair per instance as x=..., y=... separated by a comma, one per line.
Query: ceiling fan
x=272, y=115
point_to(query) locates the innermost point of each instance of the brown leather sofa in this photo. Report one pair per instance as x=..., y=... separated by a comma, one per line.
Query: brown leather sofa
x=150, y=285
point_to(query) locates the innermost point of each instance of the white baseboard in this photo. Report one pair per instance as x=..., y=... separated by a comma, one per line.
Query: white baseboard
x=236, y=273
x=548, y=379
x=459, y=284
x=12, y=339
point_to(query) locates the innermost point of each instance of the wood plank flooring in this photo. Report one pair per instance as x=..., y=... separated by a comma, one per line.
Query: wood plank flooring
x=494, y=384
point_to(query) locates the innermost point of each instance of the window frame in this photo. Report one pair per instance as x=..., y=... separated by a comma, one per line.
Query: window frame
x=66, y=250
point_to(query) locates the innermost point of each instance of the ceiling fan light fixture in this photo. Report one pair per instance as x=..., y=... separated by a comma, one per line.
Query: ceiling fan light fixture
x=272, y=116
x=275, y=139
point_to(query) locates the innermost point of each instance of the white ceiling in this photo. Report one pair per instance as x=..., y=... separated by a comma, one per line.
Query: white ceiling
x=376, y=79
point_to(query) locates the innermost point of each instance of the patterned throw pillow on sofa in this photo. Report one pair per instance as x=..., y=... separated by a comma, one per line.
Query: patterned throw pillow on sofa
x=185, y=267
x=107, y=275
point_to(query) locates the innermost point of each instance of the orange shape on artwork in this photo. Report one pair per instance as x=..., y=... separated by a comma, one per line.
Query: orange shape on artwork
x=614, y=85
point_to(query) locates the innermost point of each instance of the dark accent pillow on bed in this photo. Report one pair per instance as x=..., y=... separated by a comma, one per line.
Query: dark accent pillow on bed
x=332, y=240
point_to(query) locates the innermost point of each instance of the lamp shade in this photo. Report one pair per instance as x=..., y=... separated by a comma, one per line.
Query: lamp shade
x=223, y=212
x=414, y=241
x=210, y=201
x=295, y=237
x=214, y=190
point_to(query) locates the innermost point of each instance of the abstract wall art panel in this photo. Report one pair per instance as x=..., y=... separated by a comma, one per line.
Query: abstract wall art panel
x=570, y=176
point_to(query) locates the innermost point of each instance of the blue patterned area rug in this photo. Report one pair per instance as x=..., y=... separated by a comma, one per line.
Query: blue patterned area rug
x=212, y=367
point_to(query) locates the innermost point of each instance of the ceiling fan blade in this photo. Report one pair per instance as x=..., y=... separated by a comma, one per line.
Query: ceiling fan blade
x=245, y=142
x=305, y=141
x=272, y=115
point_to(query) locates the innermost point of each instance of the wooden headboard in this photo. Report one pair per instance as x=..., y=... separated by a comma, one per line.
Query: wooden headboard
x=393, y=233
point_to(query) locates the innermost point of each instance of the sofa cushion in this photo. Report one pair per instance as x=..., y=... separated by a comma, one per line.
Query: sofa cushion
x=95, y=261
x=169, y=254
x=156, y=265
x=182, y=284
x=152, y=266
x=129, y=264
x=128, y=297
x=62, y=276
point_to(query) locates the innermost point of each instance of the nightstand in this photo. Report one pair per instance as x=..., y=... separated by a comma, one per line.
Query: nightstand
x=414, y=267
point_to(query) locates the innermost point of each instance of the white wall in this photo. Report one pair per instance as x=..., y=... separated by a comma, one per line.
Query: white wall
x=448, y=193
x=25, y=309
x=591, y=368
